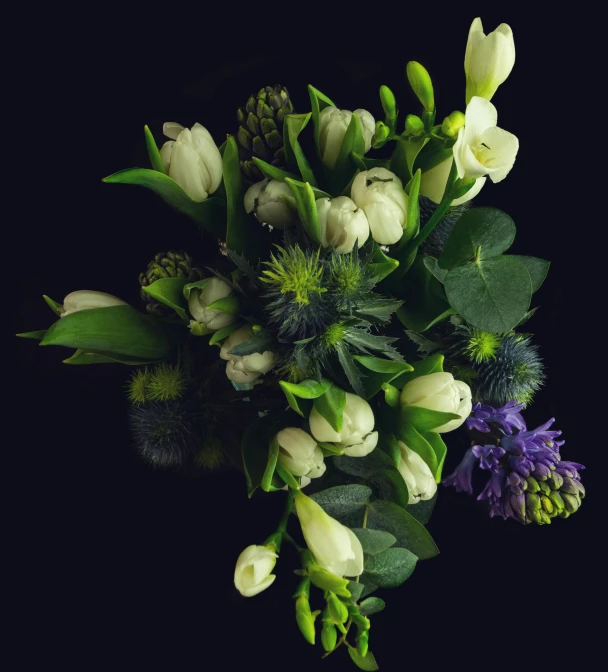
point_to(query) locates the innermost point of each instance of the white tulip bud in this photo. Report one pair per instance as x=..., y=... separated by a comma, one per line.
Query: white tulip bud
x=482, y=148
x=488, y=60
x=247, y=368
x=357, y=437
x=212, y=318
x=433, y=183
x=192, y=159
x=85, y=299
x=342, y=224
x=379, y=193
x=416, y=474
x=299, y=453
x=439, y=392
x=268, y=202
x=334, y=546
x=333, y=124
x=253, y=570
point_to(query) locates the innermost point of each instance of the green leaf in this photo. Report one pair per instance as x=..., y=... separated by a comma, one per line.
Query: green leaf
x=343, y=500
x=85, y=357
x=491, y=295
x=198, y=284
x=272, y=172
x=307, y=389
x=379, y=365
x=35, y=335
x=410, y=534
x=229, y=304
x=431, y=364
x=434, y=153
x=371, y=605
x=423, y=509
x=364, y=340
x=53, y=305
x=412, y=219
x=355, y=588
x=373, y=541
x=379, y=310
x=210, y=215
x=404, y=155
x=344, y=169
x=381, y=265
x=388, y=444
x=433, y=266
x=537, y=268
x=390, y=568
x=350, y=369
x=368, y=664
x=365, y=163
x=307, y=208
x=487, y=229
x=258, y=343
x=418, y=443
x=318, y=102
x=293, y=125
x=331, y=406
x=221, y=334
x=153, y=153
x=424, y=419
x=440, y=450
x=271, y=465
x=119, y=330
x=170, y=292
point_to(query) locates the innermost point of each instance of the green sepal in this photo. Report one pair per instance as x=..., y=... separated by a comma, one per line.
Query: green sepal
x=53, y=305
x=35, y=335
x=391, y=395
x=381, y=265
x=330, y=405
x=221, y=334
x=440, y=450
x=307, y=389
x=307, y=208
x=229, y=304
x=170, y=292
x=153, y=153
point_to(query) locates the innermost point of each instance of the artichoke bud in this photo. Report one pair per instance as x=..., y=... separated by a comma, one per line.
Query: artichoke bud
x=172, y=264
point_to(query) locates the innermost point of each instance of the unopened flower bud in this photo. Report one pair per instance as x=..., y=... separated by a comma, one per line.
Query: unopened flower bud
x=389, y=104
x=362, y=640
x=421, y=84
x=414, y=125
x=329, y=636
x=326, y=580
x=380, y=134
x=452, y=124
x=337, y=609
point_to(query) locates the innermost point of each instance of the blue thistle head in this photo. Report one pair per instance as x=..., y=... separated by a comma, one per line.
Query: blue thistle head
x=435, y=243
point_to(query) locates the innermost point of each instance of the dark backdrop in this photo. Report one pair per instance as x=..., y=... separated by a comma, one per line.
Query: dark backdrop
x=134, y=566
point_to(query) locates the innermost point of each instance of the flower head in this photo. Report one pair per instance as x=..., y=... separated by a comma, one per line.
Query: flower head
x=252, y=573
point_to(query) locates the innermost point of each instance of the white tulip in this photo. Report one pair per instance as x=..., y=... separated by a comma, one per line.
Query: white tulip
x=192, y=159
x=482, y=148
x=199, y=299
x=439, y=392
x=432, y=184
x=268, y=202
x=299, y=453
x=488, y=59
x=333, y=124
x=416, y=474
x=86, y=299
x=253, y=570
x=357, y=437
x=246, y=368
x=333, y=545
x=342, y=224
x=379, y=193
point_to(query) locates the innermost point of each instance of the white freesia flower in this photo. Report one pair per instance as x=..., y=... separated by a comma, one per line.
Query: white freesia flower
x=246, y=368
x=253, y=570
x=267, y=200
x=199, y=299
x=357, y=437
x=432, y=184
x=416, y=474
x=333, y=545
x=192, y=159
x=379, y=193
x=488, y=59
x=299, y=453
x=333, y=124
x=85, y=299
x=439, y=392
x=482, y=148
x=342, y=224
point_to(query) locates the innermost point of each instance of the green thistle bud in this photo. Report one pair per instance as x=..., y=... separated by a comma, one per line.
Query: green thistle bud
x=414, y=125
x=362, y=640
x=329, y=636
x=421, y=84
x=166, y=382
x=452, y=124
x=172, y=264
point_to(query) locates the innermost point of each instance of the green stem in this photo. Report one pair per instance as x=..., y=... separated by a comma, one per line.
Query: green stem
x=285, y=517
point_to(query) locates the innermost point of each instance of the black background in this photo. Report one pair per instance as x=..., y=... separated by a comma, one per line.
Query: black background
x=134, y=566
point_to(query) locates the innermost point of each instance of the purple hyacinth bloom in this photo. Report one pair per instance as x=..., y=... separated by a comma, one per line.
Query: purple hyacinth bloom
x=488, y=456
x=508, y=417
x=461, y=477
x=493, y=492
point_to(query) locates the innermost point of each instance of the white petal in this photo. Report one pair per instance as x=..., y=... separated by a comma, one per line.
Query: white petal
x=365, y=448
x=185, y=169
x=424, y=386
x=500, y=156
x=240, y=377
x=165, y=154
x=384, y=223
x=253, y=193
x=321, y=429
x=172, y=129
x=479, y=116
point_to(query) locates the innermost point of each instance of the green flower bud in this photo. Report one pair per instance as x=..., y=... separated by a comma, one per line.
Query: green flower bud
x=389, y=104
x=305, y=619
x=533, y=515
x=414, y=125
x=546, y=504
x=421, y=84
x=326, y=580
x=544, y=487
x=452, y=124
x=532, y=501
x=380, y=135
x=532, y=485
x=557, y=500
x=337, y=609
x=555, y=481
x=329, y=636
x=362, y=640
x=571, y=502
x=545, y=518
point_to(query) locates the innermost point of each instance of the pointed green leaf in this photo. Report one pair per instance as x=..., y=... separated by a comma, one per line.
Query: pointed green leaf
x=221, y=334
x=153, y=153
x=53, y=305
x=318, y=102
x=293, y=125
x=257, y=343
x=271, y=465
x=170, y=292
x=344, y=169
x=423, y=419
x=273, y=172
x=36, y=335
x=382, y=371
x=85, y=357
x=307, y=208
x=373, y=541
x=390, y=568
x=431, y=364
x=404, y=155
x=418, y=443
x=331, y=406
x=440, y=450
x=350, y=369
x=368, y=664
x=433, y=266
x=388, y=443
x=381, y=265
x=229, y=304
x=307, y=389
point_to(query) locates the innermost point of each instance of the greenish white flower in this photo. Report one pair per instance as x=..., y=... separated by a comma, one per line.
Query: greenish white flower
x=439, y=392
x=342, y=224
x=488, y=59
x=299, y=453
x=86, y=299
x=192, y=159
x=247, y=368
x=199, y=300
x=432, y=184
x=419, y=479
x=357, y=437
x=267, y=200
x=333, y=124
x=253, y=571
x=379, y=193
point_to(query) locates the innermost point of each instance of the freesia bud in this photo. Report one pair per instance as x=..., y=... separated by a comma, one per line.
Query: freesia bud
x=488, y=59
x=299, y=453
x=333, y=124
x=200, y=300
x=334, y=546
x=357, y=437
x=379, y=193
x=86, y=299
x=381, y=134
x=192, y=159
x=418, y=477
x=253, y=570
x=326, y=580
x=434, y=181
x=421, y=84
x=414, y=125
x=452, y=124
x=337, y=608
x=342, y=224
x=389, y=104
x=268, y=202
x=439, y=392
x=329, y=636
x=246, y=368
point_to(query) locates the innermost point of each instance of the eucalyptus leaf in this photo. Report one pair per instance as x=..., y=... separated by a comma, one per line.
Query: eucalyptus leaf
x=390, y=568
x=343, y=500
x=258, y=343
x=423, y=509
x=368, y=664
x=537, y=268
x=373, y=541
x=433, y=266
x=371, y=605
x=331, y=406
x=170, y=292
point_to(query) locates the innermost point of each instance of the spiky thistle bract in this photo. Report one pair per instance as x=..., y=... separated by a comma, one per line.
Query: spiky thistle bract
x=137, y=386
x=481, y=346
x=166, y=382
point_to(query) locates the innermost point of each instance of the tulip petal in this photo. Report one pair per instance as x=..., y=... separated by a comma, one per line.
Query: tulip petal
x=172, y=129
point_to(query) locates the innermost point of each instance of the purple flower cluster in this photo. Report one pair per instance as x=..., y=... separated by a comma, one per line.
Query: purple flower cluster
x=529, y=481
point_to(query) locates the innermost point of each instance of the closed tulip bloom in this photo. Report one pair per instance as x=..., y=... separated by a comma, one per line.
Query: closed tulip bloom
x=488, y=60
x=482, y=148
x=199, y=299
x=342, y=224
x=192, y=159
x=299, y=453
x=357, y=437
x=333, y=124
x=333, y=545
x=267, y=200
x=253, y=570
x=432, y=184
x=86, y=299
x=417, y=476
x=379, y=193
x=247, y=368
x=439, y=392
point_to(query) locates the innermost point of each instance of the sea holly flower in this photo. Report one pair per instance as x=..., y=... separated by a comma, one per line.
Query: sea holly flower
x=268, y=202
x=200, y=300
x=253, y=571
x=421, y=484
x=246, y=368
x=86, y=299
x=342, y=224
x=333, y=124
x=300, y=454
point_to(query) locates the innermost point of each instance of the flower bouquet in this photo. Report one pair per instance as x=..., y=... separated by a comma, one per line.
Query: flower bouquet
x=359, y=310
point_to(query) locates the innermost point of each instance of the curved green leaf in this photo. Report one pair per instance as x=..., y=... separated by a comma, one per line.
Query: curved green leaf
x=84, y=357
x=153, y=153
x=431, y=364
x=344, y=169
x=371, y=605
x=331, y=406
x=170, y=292
x=390, y=568
x=423, y=419
x=418, y=443
x=373, y=541
x=35, y=335
x=307, y=208
x=537, y=268
x=293, y=125
x=318, y=102
x=367, y=664
x=307, y=389
x=53, y=305
x=440, y=450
